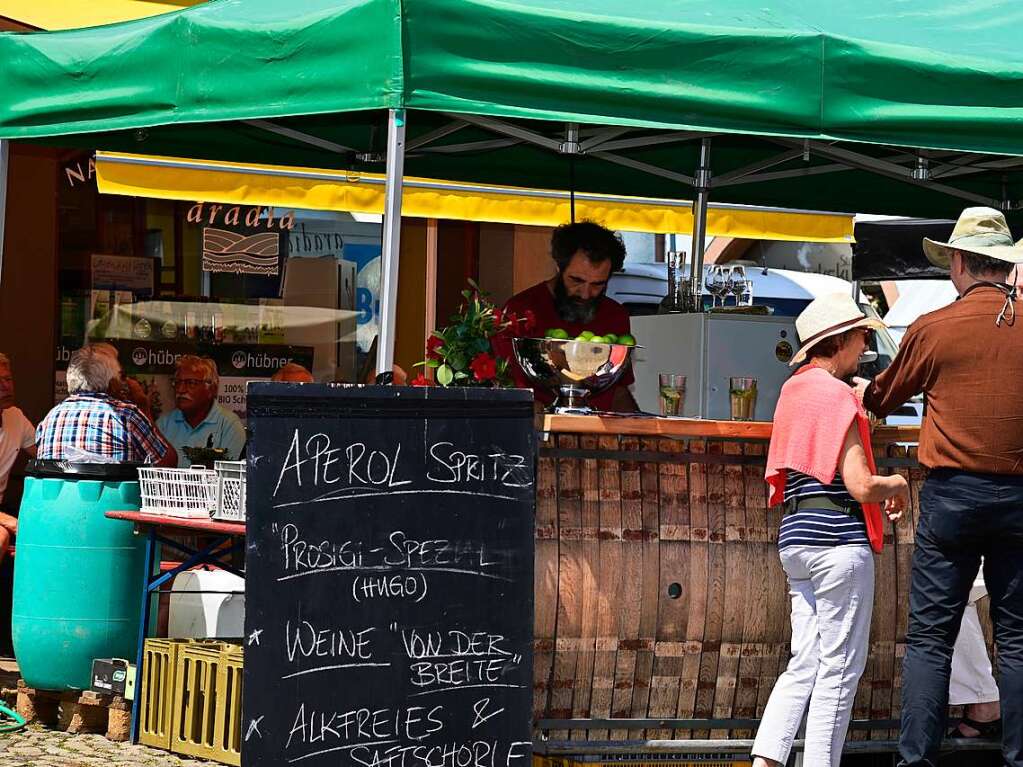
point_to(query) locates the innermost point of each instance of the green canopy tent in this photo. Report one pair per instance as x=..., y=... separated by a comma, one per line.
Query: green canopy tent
x=912, y=108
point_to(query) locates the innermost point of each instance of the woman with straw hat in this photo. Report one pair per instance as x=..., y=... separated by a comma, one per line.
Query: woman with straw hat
x=820, y=465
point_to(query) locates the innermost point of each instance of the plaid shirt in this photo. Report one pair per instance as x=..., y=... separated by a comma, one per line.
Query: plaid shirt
x=99, y=424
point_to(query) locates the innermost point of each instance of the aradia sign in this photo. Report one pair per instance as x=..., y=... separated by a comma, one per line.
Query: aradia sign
x=210, y=214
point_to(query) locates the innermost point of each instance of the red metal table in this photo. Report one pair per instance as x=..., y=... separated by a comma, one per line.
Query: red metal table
x=228, y=537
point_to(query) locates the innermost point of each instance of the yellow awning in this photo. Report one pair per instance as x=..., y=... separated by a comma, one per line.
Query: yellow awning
x=74, y=14
x=287, y=188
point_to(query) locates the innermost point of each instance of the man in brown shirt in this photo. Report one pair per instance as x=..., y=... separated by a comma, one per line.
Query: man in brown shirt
x=967, y=360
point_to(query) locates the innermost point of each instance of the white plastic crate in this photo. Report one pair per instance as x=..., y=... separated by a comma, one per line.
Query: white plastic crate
x=178, y=492
x=230, y=491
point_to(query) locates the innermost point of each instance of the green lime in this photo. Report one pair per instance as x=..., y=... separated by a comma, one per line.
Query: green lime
x=558, y=333
x=610, y=338
x=627, y=340
x=586, y=335
x=598, y=340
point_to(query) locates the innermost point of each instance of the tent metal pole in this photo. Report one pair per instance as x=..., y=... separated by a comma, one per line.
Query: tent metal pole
x=5, y=161
x=702, y=178
x=392, y=239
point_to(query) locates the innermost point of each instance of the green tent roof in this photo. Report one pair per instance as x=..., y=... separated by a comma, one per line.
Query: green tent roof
x=762, y=76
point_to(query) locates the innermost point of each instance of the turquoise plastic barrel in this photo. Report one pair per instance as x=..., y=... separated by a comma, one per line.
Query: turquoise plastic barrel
x=77, y=579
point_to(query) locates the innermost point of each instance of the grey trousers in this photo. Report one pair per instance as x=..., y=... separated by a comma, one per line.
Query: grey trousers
x=832, y=591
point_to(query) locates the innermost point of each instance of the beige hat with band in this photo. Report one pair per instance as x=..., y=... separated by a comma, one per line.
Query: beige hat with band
x=828, y=316
x=981, y=231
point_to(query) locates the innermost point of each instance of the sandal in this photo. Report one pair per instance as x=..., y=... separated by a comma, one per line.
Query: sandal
x=988, y=730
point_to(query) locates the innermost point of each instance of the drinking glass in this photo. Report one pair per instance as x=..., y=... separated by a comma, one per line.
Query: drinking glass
x=736, y=282
x=747, y=294
x=716, y=283
x=671, y=392
x=742, y=397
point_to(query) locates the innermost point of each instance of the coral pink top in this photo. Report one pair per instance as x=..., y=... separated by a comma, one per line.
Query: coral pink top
x=812, y=417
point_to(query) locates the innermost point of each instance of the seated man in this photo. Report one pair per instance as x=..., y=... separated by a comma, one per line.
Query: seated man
x=199, y=420
x=123, y=387
x=293, y=373
x=93, y=423
x=17, y=434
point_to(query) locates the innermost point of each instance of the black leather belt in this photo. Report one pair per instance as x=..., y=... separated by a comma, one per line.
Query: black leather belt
x=821, y=502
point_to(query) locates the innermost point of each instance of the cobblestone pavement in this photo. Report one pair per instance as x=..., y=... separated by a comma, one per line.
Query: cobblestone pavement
x=39, y=747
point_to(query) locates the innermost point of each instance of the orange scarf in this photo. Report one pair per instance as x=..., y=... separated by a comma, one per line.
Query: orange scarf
x=811, y=420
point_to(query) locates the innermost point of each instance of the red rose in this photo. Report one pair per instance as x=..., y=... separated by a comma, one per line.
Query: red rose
x=484, y=367
x=433, y=343
x=420, y=380
x=497, y=317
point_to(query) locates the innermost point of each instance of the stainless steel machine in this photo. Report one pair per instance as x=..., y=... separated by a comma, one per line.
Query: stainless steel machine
x=709, y=348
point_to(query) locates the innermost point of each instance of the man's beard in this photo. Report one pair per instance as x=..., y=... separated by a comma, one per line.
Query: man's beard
x=572, y=309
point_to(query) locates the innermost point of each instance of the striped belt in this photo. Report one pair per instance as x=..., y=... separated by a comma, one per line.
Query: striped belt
x=821, y=502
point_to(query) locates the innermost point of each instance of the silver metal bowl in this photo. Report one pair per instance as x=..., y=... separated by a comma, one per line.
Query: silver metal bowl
x=572, y=370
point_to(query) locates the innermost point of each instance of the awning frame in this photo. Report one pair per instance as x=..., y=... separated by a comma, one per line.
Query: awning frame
x=5, y=163
x=921, y=168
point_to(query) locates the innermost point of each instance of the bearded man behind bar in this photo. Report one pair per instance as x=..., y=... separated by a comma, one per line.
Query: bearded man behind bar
x=586, y=255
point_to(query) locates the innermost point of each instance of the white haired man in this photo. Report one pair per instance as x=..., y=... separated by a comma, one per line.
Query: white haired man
x=199, y=420
x=92, y=422
x=17, y=435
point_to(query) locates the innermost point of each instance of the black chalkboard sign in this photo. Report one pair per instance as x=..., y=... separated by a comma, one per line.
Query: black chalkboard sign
x=389, y=577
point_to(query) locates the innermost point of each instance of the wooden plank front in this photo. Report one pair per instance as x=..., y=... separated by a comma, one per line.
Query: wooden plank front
x=669, y=597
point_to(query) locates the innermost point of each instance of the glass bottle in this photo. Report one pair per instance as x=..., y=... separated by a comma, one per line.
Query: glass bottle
x=680, y=295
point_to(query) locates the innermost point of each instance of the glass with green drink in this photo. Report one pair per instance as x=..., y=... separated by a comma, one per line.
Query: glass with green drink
x=742, y=396
x=672, y=393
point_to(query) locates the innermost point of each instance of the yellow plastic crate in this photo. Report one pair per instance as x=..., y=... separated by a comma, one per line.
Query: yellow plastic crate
x=207, y=702
x=159, y=666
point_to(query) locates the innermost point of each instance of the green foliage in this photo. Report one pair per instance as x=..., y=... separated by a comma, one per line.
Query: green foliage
x=461, y=353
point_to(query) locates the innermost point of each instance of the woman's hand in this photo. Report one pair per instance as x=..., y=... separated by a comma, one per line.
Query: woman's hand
x=898, y=501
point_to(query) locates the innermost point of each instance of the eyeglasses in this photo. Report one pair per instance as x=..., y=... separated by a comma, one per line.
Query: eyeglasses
x=188, y=383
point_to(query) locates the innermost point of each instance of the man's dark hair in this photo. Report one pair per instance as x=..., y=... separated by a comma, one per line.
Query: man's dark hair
x=599, y=244
x=980, y=266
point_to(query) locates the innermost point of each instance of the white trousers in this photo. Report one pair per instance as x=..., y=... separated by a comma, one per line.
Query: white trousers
x=832, y=591
x=972, y=680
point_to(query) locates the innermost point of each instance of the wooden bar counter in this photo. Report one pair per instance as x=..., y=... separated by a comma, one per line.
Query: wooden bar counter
x=659, y=594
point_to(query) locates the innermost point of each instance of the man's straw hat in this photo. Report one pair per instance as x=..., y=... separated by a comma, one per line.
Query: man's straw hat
x=981, y=231
x=828, y=316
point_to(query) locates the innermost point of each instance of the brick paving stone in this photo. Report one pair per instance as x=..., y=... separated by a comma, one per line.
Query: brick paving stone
x=37, y=746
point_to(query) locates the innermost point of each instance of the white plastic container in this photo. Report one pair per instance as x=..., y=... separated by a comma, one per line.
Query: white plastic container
x=212, y=614
x=230, y=491
x=190, y=493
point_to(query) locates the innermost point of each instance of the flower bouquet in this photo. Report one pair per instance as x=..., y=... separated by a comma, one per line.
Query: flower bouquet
x=461, y=353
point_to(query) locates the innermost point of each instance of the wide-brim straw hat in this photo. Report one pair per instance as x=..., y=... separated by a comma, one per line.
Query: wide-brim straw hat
x=981, y=231
x=828, y=316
